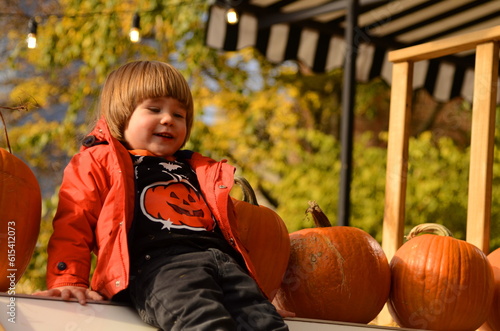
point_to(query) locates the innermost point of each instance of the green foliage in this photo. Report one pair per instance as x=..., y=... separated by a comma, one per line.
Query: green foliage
x=437, y=182
x=44, y=143
x=368, y=186
x=34, y=276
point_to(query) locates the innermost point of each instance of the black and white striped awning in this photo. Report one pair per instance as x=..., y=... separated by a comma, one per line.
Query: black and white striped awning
x=312, y=31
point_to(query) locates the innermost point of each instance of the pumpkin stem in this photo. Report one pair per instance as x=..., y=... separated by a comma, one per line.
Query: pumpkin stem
x=5, y=131
x=430, y=228
x=5, y=125
x=319, y=217
x=248, y=192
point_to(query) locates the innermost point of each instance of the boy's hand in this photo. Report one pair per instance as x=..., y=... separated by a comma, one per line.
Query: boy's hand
x=82, y=294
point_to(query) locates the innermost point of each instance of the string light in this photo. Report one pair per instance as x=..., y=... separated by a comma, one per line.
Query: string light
x=32, y=27
x=232, y=16
x=135, y=34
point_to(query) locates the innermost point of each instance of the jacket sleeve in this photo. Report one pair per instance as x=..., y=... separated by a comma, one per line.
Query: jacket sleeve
x=73, y=240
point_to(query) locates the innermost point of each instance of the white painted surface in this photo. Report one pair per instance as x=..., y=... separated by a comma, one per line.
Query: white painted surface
x=33, y=313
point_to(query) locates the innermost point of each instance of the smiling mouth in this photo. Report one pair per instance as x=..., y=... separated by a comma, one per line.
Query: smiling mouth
x=164, y=135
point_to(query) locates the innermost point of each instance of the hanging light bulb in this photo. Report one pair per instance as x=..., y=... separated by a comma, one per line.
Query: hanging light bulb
x=32, y=27
x=232, y=16
x=135, y=34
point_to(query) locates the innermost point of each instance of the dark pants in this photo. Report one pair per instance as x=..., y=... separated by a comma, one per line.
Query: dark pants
x=187, y=289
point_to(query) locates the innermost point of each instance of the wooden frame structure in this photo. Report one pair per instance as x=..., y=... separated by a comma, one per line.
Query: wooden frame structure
x=486, y=45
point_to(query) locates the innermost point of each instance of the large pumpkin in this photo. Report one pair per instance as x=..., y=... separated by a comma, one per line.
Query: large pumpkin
x=20, y=211
x=493, y=320
x=335, y=273
x=439, y=282
x=265, y=235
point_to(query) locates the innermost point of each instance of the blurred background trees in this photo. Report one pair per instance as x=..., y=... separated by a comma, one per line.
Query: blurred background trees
x=278, y=124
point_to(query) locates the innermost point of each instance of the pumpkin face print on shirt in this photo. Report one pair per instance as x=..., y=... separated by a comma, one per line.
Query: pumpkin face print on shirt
x=174, y=202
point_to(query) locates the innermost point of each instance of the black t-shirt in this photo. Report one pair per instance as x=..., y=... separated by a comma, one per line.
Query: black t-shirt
x=170, y=208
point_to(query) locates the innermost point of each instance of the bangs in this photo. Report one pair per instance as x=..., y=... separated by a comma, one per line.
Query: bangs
x=159, y=80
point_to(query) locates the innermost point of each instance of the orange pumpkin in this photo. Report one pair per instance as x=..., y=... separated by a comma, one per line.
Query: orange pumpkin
x=265, y=235
x=335, y=273
x=439, y=282
x=20, y=212
x=493, y=320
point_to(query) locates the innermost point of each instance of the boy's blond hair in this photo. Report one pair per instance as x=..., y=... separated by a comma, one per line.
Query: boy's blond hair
x=132, y=83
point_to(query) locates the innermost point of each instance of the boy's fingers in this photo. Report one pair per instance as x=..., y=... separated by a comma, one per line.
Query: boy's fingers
x=66, y=294
x=93, y=295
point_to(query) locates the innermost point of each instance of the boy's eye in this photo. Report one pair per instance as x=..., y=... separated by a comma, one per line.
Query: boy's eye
x=153, y=109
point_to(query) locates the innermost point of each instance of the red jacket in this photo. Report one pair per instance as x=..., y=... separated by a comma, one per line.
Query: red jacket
x=96, y=208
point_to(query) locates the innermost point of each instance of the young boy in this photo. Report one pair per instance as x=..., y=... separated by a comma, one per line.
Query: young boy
x=159, y=219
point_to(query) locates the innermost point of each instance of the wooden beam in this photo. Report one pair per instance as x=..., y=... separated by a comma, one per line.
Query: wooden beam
x=397, y=157
x=482, y=145
x=448, y=46
x=397, y=165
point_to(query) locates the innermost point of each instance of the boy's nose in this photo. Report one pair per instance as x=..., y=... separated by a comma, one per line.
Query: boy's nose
x=166, y=119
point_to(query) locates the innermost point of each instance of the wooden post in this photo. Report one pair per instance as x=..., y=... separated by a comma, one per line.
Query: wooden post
x=397, y=165
x=397, y=157
x=482, y=145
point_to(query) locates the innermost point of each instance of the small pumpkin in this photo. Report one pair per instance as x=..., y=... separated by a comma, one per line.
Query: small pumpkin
x=335, y=273
x=493, y=320
x=20, y=214
x=439, y=282
x=265, y=235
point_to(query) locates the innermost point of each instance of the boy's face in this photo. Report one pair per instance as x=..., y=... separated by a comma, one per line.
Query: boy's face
x=157, y=125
